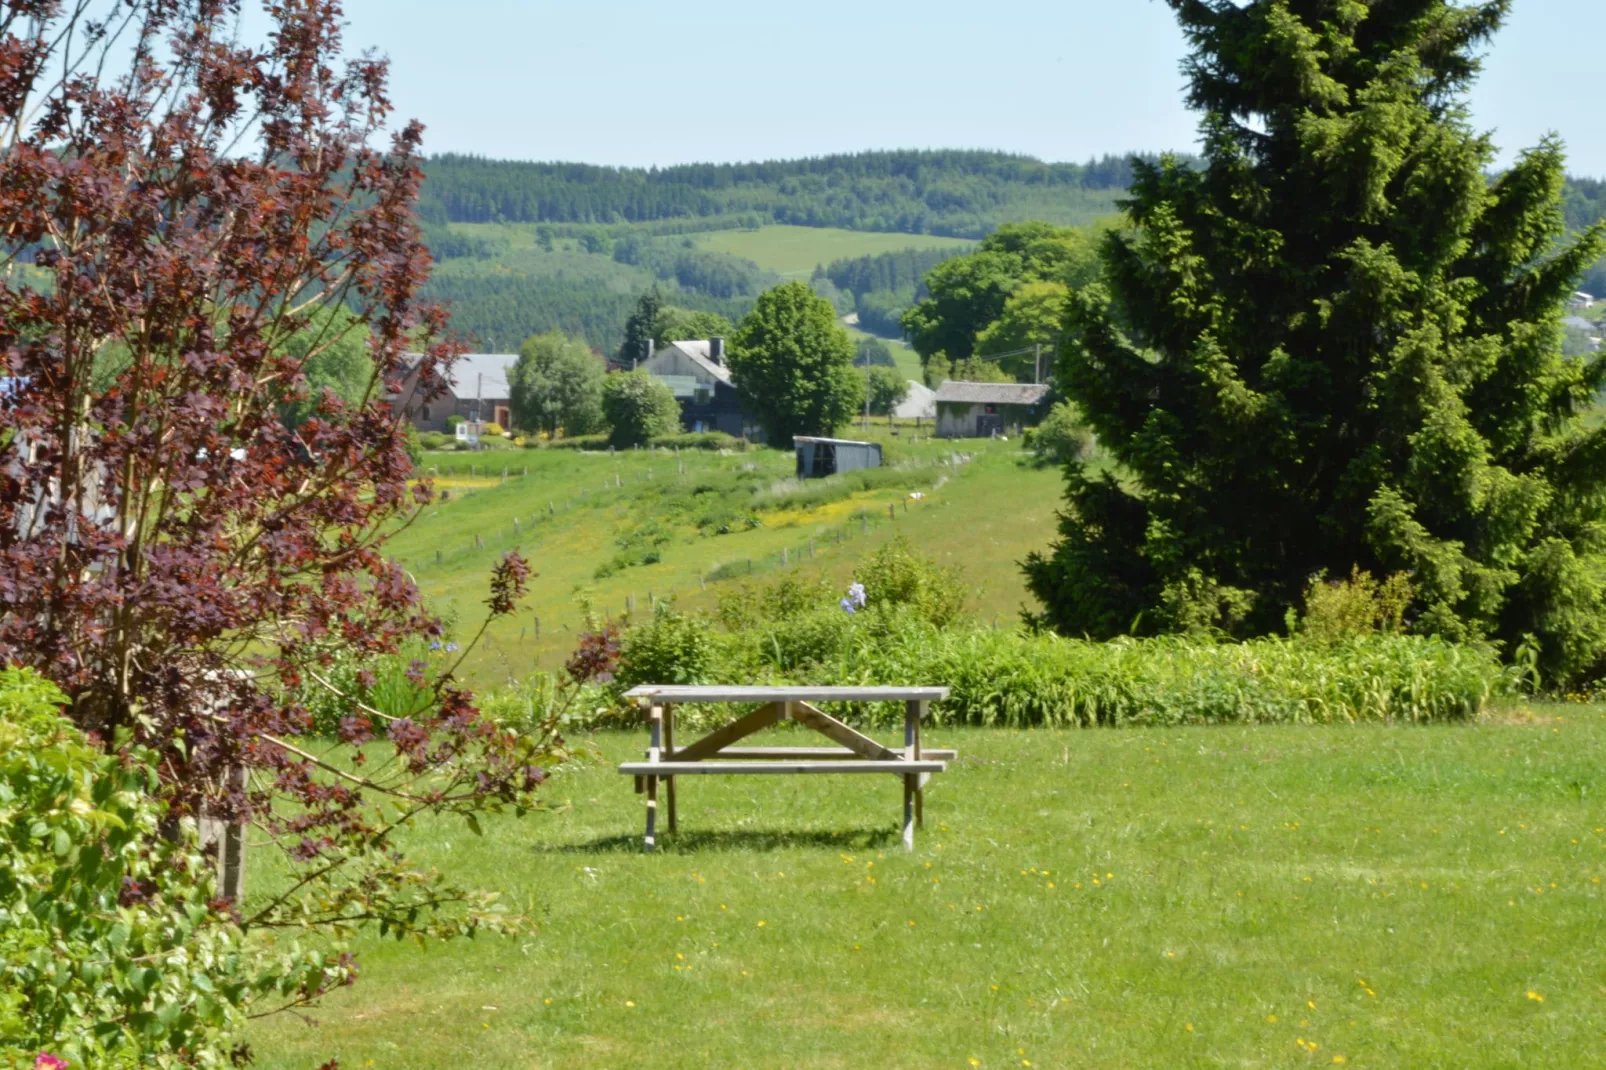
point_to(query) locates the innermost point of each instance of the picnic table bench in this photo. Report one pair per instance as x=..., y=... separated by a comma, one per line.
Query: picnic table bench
x=855, y=752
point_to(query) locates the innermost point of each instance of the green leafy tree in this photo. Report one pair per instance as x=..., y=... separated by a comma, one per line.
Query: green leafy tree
x=1337, y=345
x=334, y=348
x=1029, y=327
x=638, y=408
x=680, y=324
x=792, y=362
x=557, y=384
x=872, y=352
x=886, y=388
x=968, y=293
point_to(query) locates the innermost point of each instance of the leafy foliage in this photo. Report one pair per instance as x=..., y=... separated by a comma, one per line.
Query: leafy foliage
x=112, y=951
x=1359, y=605
x=886, y=389
x=557, y=384
x=1061, y=439
x=670, y=648
x=638, y=409
x=793, y=365
x=896, y=576
x=968, y=294
x=1337, y=346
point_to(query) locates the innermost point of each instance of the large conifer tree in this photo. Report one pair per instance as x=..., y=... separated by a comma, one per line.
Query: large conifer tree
x=1336, y=344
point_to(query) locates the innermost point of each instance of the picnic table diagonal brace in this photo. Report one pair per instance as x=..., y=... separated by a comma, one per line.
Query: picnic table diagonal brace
x=856, y=752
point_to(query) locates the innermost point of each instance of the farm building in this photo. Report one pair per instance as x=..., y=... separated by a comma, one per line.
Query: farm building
x=696, y=373
x=478, y=392
x=1581, y=300
x=982, y=410
x=818, y=457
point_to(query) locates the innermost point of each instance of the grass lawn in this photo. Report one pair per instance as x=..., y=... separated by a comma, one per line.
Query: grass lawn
x=1244, y=897
x=985, y=516
x=903, y=355
x=796, y=251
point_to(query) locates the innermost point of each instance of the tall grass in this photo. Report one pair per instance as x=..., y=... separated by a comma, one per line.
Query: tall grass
x=1008, y=678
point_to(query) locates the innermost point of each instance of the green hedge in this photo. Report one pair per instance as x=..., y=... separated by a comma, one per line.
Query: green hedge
x=689, y=440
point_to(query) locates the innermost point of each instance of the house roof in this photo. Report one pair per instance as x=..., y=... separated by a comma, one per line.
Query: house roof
x=700, y=352
x=496, y=368
x=833, y=441
x=957, y=390
x=921, y=401
x=1578, y=322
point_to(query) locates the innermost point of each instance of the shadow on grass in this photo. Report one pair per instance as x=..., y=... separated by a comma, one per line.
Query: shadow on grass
x=693, y=842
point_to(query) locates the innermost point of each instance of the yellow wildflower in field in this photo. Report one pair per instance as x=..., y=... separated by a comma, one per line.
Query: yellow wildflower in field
x=630, y=1003
x=1271, y=1017
x=1535, y=996
x=762, y=923
x=1189, y=1027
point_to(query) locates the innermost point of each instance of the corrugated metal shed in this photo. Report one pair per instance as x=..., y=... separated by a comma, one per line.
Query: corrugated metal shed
x=818, y=457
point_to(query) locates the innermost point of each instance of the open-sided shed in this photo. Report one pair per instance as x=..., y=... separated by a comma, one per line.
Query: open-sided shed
x=818, y=457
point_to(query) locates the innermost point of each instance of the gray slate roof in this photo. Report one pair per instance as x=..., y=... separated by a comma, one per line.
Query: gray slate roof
x=497, y=368
x=699, y=352
x=1578, y=322
x=957, y=390
x=921, y=401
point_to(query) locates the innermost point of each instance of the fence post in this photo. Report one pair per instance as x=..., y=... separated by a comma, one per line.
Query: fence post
x=892, y=511
x=437, y=555
x=229, y=839
x=515, y=525
x=784, y=558
x=538, y=628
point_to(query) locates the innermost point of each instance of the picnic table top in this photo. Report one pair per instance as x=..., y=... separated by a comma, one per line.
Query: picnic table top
x=687, y=693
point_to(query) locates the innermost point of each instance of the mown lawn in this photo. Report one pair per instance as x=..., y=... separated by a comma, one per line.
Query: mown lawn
x=1244, y=897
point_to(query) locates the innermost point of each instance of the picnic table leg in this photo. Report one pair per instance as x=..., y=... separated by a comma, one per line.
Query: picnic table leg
x=919, y=712
x=655, y=726
x=669, y=747
x=911, y=736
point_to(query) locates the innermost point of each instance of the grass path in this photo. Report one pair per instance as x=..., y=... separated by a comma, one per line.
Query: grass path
x=1245, y=897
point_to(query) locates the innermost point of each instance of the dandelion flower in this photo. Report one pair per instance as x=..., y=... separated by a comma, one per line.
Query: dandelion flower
x=1536, y=997
x=630, y=1003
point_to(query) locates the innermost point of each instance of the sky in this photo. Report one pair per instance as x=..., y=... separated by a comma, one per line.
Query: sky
x=632, y=83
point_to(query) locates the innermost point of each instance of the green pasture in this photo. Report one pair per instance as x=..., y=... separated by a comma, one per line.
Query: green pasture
x=796, y=251
x=579, y=511
x=906, y=359
x=1262, y=897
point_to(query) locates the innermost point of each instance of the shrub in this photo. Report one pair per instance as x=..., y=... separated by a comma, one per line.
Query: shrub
x=111, y=954
x=434, y=440
x=671, y=648
x=573, y=442
x=452, y=421
x=700, y=440
x=638, y=408
x=897, y=576
x=491, y=430
x=1061, y=438
x=1360, y=605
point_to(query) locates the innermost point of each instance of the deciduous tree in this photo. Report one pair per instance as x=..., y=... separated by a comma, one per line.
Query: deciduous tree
x=557, y=384
x=638, y=408
x=792, y=362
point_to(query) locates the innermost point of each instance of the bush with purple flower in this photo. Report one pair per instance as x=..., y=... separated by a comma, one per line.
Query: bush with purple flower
x=855, y=599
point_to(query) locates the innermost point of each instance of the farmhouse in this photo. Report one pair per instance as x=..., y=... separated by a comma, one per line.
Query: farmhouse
x=1581, y=300
x=478, y=391
x=982, y=410
x=696, y=373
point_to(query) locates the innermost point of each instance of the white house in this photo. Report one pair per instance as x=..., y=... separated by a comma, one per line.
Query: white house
x=1581, y=300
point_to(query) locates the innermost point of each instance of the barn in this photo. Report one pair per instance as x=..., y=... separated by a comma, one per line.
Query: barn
x=982, y=410
x=818, y=457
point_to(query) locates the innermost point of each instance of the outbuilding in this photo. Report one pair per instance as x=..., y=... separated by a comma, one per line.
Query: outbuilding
x=983, y=410
x=817, y=457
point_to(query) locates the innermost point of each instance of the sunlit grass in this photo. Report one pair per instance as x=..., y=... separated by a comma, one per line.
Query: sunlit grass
x=1254, y=897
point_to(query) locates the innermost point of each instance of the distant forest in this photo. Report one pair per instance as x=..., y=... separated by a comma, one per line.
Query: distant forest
x=635, y=228
x=954, y=193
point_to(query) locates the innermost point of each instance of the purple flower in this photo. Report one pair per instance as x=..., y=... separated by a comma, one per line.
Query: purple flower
x=847, y=605
x=436, y=645
x=46, y=1061
x=451, y=648
x=856, y=592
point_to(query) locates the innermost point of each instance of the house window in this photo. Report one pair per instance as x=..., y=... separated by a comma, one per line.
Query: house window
x=990, y=410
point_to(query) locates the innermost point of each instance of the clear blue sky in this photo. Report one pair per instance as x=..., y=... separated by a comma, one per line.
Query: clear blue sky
x=635, y=83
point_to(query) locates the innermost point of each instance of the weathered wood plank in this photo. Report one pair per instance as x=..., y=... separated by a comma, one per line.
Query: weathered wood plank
x=831, y=728
x=688, y=693
x=669, y=752
x=816, y=754
x=718, y=739
x=899, y=766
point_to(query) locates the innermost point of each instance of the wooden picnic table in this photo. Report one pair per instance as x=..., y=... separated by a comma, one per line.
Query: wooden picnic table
x=855, y=752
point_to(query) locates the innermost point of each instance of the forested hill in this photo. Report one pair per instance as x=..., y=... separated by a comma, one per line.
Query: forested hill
x=954, y=193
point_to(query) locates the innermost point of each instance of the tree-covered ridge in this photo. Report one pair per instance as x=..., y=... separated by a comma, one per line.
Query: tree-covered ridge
x=962, y=193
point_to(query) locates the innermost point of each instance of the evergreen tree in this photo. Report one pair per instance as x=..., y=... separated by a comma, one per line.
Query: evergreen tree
x=792, y=363
x=1336, y=344
x=642, y=325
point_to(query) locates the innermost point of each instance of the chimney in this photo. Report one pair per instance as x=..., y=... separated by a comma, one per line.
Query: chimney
x=650, y=346
x=716, y=350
